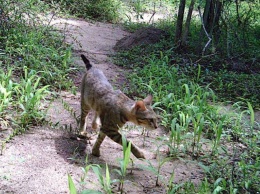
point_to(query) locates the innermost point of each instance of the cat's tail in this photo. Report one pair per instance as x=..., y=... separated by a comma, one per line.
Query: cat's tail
x=86, y=61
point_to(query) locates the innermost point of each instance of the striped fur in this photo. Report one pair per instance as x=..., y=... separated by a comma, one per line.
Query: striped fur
x=113, y=108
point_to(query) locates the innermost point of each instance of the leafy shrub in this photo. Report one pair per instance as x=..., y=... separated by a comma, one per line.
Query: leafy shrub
x=29, y=99
x=23, y=101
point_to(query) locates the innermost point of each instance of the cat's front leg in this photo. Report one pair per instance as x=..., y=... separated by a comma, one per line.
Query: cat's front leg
x=117, y=137
x=137, y=152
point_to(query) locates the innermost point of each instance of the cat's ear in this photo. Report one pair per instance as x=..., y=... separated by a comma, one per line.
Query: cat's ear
x=148, y=100
x=139, y=105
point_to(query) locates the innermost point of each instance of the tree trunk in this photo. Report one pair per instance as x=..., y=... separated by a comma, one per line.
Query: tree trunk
x=216, y=28
x=180, y=16
x=237, y=12
x=187, y=24
x=206, y=14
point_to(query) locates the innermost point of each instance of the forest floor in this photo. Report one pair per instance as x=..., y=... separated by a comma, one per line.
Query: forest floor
x=40, y=160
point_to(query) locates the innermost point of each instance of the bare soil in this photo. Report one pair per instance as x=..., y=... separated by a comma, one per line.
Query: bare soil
x=141, y=37
x=40, y=160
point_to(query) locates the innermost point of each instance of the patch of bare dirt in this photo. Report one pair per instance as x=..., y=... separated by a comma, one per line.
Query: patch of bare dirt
x=141, y=37
x=40, y=160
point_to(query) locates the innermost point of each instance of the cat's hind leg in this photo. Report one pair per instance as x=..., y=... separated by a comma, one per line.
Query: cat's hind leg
x=83, y=118
x=94, y=122
x=96, y=147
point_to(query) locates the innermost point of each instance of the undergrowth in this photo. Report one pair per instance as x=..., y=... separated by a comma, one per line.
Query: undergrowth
x=21, y=103
x=187, y=99
x=29, y=40
x=187, y=89
x=229, y=85
x=34, y=62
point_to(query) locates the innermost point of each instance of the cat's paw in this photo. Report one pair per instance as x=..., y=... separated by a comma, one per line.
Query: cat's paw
x=84, y=136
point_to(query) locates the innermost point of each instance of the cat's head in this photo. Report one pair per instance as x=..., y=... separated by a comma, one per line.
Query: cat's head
x=144, y=114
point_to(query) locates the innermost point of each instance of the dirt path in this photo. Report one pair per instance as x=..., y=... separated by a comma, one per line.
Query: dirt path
x=96, y=41
x=40, y=160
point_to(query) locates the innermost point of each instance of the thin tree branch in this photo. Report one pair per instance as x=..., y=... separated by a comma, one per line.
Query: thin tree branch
x=209, y=38
x=152, y=14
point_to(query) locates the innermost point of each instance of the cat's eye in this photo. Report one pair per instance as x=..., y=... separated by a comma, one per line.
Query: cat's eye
x=141, y=120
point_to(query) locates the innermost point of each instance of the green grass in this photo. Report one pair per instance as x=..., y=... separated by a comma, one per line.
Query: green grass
x=6, y=90
x=28, y=41
x=187, y=98
x=189, y=111
x=227, y=84
x=30, y=96
x=42, y=52
x=24, y=96
x=105, y=181
x=34, y=61
x=234, y=86
x=22, y=102
x=124, y=163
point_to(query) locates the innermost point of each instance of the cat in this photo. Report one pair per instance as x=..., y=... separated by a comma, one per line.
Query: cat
x=113, y=108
